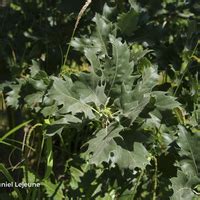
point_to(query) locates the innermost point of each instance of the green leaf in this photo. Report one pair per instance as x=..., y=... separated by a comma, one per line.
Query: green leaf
x=76, y=97
x=103, y=30
x=98, y=42
x=35, y=68
x=38, y=84
x=134, y=5
x=93, y=59
x=127, y=22
x=70, y=101
x=13, y=96
x=49, y=110
x=149, y=80
x=105, y=149
x=10, y=179
x=2, y=85
x=130, y=159
x=133, y=101
x=54, y=129
x=166, y=134
x=108, y=11
x=33, y=99
x=76, y=175
x=53, y=191
x=131, y=106
x=189, y=151
x=89, y=95
x=183, y=186
x=138, y=53
x=67, y=119
x=31, y=177
x=49, y=154
x=103, y=144
x=122, y=66
x=164, y=101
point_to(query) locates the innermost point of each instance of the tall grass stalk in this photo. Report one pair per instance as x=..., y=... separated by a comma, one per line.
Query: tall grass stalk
x=82, y=11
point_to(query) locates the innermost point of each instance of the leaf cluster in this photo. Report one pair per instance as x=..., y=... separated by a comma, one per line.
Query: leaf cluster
x=124, y=124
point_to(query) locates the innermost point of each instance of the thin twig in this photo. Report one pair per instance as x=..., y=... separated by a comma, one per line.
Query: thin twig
x=155, y=178
x=137, y=183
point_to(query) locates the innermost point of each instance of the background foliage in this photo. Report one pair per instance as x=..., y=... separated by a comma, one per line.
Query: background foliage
x=115, y=117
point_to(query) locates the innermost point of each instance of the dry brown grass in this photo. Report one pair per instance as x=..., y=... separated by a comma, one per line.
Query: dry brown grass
x=83, y=9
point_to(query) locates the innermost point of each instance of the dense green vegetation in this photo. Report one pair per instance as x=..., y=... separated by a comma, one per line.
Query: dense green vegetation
x=102, y=103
